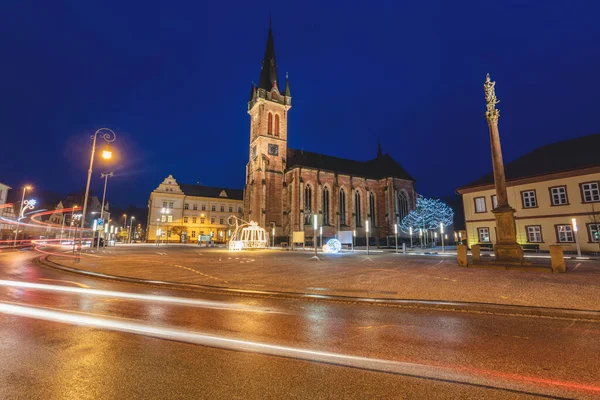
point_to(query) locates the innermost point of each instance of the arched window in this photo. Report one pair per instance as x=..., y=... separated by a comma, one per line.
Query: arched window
x=270, y=124
x=357, y=209
x=325, y=206
x=276, y=124
x=372, y=208
x=342, y=207
x=401, y=206
x=307, y=204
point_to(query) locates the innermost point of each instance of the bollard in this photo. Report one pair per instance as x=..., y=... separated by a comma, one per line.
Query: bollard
x=557, y=259
x=461, y=254
x=475, y=253
x=404, y=248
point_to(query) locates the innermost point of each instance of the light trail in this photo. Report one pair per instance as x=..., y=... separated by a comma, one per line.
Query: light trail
x=136, y=296
x=481, y=378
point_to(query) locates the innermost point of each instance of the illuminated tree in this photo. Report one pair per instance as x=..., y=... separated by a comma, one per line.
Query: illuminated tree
x=428, y=215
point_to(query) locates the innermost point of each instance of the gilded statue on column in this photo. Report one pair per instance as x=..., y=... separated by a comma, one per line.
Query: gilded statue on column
x=490, y=98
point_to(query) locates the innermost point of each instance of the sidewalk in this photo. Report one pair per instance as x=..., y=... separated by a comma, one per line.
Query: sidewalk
x=380, y=275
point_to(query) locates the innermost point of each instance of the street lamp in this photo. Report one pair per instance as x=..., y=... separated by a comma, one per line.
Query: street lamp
x=315, y=223
x=130, y=223
x=396, y=233
x=321, y=236
x=574, y=221
x=105, y=176
x=24, y=205
x=434, y=239
x=410, y=232
x=353, y=238
x=272, y=234
x=442, y=235
x=367, y=234
x=108, y=136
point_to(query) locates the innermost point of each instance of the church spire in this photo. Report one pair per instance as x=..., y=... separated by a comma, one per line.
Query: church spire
x=379, y=152
x=268, y=73
x=287, y=93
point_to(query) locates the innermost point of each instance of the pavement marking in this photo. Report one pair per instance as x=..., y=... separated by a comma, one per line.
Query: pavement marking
x=61, y=280
x=200, y=273
x=576, y=266
x=162, y=254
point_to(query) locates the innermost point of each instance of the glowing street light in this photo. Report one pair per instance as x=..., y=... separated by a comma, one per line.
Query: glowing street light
x=353, y=238
x=574, y=221
x=396, y=233
x=108, y=136
x=272, y=234
x=367, y=233
x=130, y=223
x=442, y=235
x=315, y=223
x=24, y=205
x=410, y=232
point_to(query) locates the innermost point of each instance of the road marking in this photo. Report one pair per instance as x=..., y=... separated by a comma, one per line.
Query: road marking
x=200, y=273
x=577, y=266
x=60, y=280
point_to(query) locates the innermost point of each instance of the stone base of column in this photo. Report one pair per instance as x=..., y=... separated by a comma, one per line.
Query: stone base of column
x=506, y=247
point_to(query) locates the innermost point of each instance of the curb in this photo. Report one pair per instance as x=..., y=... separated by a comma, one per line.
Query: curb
x=435, y=305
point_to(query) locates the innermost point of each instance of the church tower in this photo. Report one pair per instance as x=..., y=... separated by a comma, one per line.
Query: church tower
x=268, y=107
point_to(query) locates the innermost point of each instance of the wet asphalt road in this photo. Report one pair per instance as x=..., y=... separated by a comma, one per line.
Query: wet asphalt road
x=134, y=341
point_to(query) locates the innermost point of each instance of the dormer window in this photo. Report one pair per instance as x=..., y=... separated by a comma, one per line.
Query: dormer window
x=274, y=96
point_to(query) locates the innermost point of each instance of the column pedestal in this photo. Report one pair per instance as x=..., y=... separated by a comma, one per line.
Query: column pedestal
x=506, y=248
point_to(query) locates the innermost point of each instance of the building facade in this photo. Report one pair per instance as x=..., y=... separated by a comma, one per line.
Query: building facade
x=6, y=230
x=548, y=188
x=285, y=188
x=180, y=212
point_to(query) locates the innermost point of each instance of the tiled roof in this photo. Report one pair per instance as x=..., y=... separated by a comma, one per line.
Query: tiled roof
x=568, y=155
x=210, y=191
x=380, y=167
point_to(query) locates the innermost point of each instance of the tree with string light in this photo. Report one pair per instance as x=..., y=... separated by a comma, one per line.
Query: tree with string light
x=428, y=215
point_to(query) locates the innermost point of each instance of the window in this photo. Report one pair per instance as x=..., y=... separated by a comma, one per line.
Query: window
x=558, y=195
x=484, y=235
x=203, y=207
x=201, y=220
x=307, y=204
x=372, y=208
x=169, y=234
x=163, y=218
x=528, y=197
x=590, y=192
x=480, y=205
x=564, y=234
x=534, y=234
x=276, y=124
x=401, y=206
x=214, y=208
x=170, y=218
x=274, y=97
x=494, y=201
x=239, y=210
x=342, y=207
x=357, y=218
x=194, y=220
x=270, y=124
x=273, y=149
x=594, y=231
x=164, y=204
x=195, y=206
x=185, y=220
x=221, y=221
x=186, y=206
x=325, y=206
x=230, y=209
x=193, y=234
x=170, y=204
x=212, y=220
x=222, y=208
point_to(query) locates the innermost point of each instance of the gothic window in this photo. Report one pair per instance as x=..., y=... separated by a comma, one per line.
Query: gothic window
x=276, y=124
x=357, y=209
x=401, y=206
x=372, y=208
x=270, y=124
x=342, y=207
x=325, y=206
x=307, y=204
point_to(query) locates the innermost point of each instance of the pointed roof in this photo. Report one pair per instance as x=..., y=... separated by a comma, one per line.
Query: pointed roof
x=287, y=86
x=379, y=153
x=252, y=91
x=268, y=73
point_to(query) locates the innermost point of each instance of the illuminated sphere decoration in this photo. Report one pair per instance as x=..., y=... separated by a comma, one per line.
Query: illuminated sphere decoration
x=333, y=246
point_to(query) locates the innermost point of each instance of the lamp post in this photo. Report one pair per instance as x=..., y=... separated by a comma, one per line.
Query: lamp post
x=396, y=234
x=442, y=236
x=321, y=236
x=367, y=233
x=574, y=221
x=353, y=238
x=108, y=136
x=410, y=232
x=105, y=176
x=315, y=223
x=434, y=239
x=272, y=234
x=74, y=219
x=421, y=236
x=25, y=188
x=130, y=223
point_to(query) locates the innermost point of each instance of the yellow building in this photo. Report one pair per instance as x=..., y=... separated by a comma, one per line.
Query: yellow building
x=181, y=212
x=549, y=188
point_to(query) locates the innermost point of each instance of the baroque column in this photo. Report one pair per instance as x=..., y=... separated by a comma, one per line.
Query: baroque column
x=506, y=248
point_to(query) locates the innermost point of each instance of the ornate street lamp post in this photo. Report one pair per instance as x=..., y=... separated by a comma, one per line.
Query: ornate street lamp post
x=25, y=204
x=105, y=176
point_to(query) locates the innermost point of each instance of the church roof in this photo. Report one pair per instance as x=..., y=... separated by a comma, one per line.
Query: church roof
x=211, y=191
x=567, y=155
x=268, y=73
x=380, y=167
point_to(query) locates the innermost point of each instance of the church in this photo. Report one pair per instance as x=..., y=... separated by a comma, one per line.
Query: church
x=285, y=187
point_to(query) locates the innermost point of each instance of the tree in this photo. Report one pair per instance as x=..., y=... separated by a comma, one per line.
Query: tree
x=178, y=230
x=428, y=215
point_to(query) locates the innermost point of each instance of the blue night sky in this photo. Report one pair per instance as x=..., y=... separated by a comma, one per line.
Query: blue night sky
x=173, y=78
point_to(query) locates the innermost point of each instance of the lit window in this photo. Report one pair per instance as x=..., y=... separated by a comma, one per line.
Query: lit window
x=164, y=204
x=194, y=220
x=214, y=208
x=590, y=192
x=480, y=205
x=212, y=220
x=201, y=220
x=163, y=218
x=170, y=204
x=193, y=234
x=170, y=218
x=534, y=234
x=594, y=230
x=529, y=200
x=484, y=235
x=564, y=233
x=185, y=220
x=494, y=201
x=558, y=195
